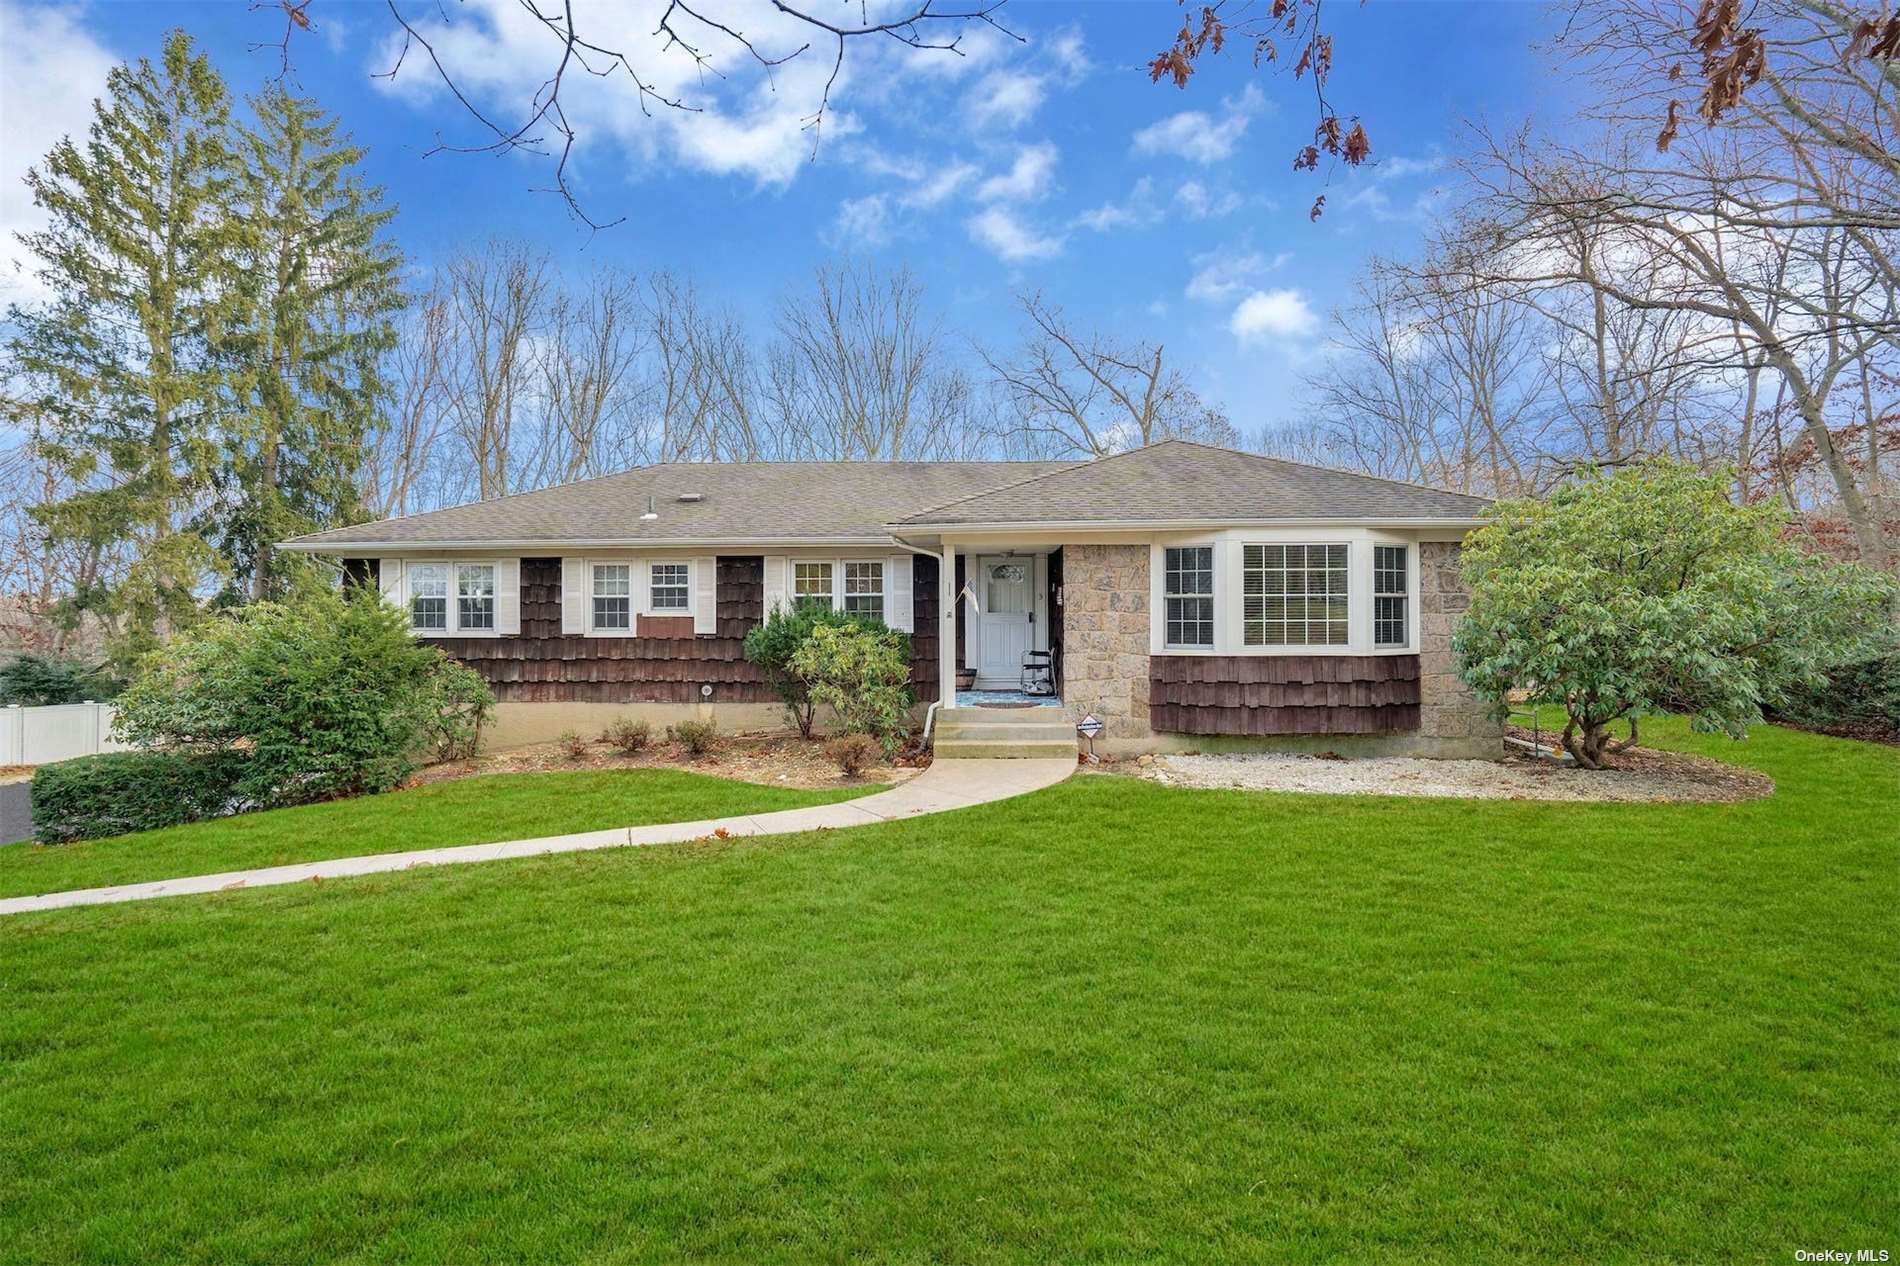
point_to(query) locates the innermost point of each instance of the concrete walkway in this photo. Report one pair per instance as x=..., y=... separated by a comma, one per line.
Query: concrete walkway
x=950, y=784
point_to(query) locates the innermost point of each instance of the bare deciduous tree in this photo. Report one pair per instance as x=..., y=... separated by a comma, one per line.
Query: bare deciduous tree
x=1086, y=394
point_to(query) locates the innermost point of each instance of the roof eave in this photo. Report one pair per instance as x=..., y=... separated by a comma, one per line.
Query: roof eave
x=302, y=546
x=1176, y=525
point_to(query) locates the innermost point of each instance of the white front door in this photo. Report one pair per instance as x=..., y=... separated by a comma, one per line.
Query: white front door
x=1006, y=628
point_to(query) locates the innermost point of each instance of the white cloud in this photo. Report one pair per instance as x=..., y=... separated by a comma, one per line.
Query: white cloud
x=1200, y=204
x=1010, y=237
x=1067, y=51
x=1004, y=99
x=932, y=189
x=50, y=72
x=1282, y=313
x=1401, y=167
x=745, y=122
x=1225, y=273
x=1027, y=179
x=1201, y=137
x=861, y=223
x=1138, y=210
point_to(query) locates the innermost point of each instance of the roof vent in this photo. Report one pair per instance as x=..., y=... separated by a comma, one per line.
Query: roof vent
x=652, y=512
x=690, y=497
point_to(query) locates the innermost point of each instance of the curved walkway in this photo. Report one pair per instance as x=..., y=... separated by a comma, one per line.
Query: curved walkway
x=950, y=784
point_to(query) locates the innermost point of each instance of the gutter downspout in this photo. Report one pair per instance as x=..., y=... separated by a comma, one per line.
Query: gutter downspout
x=930, y=713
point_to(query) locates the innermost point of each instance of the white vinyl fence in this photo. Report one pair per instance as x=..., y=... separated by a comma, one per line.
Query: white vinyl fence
x=40, y=736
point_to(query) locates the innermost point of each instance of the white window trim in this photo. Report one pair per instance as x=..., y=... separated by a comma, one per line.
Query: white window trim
x=1230, y=588
x=837, y=565
x=453, y=618
x=1214, y=575
x=640, y=601
x=595, y=629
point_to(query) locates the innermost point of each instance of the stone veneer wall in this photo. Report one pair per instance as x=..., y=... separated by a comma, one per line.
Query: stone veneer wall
x=1448, y=710
x=1105, y=637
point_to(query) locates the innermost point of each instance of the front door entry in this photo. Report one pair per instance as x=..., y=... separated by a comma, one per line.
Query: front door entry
x=1007, y=624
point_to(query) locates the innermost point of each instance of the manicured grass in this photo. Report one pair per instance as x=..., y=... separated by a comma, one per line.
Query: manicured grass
x=465, y=811
x=1110, y=1021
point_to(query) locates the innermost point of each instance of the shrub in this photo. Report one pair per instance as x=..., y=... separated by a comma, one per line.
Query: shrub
x=330, y=696
x=862, y=673
x=697, y=737
x=110, y=794
x=1649, y=590
x=772, y=644
x=853, y=753
x=573, y=744
x=630, y=736
x=1865, y=692
x=35, y=681
x=460, y=705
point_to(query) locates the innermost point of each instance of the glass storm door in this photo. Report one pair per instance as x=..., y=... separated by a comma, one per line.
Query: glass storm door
x=1008, y=619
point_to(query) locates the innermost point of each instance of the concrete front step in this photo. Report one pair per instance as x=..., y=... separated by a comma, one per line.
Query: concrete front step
x=1003, y=749
x=991, y=732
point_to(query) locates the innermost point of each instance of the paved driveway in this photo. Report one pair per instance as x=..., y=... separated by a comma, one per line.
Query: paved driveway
x=16, y=812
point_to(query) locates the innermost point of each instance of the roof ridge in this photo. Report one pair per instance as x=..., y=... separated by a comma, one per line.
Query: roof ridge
x=1331, y=470
x=1023, y=483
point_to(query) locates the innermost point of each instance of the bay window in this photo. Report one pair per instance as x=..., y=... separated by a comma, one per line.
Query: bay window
x=1189, y=595
x=1390, y=590
x=1295, y=595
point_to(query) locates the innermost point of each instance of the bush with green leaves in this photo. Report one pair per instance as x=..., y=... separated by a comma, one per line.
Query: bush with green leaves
x=772, y=643
x=1649, y=590
x=460, y=705
x=90, y=797
x=38, y=680
x=1863, y=694
x=862, y=673
x=329, y=697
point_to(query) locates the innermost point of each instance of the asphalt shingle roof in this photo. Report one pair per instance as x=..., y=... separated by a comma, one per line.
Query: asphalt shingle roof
x=1174, y=481
x=1177, y=480
x=743, y=501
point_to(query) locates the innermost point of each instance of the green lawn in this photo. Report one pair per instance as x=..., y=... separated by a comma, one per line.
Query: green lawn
x=1110, y=1021
x=465, y=811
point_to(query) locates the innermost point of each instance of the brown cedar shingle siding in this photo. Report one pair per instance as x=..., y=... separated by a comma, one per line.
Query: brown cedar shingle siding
x=1283, y=694
x=544, y=666
x=926, y=636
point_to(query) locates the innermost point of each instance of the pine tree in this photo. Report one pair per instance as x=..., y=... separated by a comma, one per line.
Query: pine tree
x=122, y=363
x=321, y=285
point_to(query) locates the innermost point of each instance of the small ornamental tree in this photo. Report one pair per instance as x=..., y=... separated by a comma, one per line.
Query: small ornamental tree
x=772, y=643
x=862, y=673
x=1649, y=590
x=330, y=697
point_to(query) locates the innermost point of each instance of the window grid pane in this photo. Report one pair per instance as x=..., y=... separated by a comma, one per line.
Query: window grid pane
x=475, y=596
x=1389, y=600
x=1294, y=595
x=1189, y=600
x=671, y=586
x=613, y=595
x=811, y=582
x=864, y=589
x=429, y=597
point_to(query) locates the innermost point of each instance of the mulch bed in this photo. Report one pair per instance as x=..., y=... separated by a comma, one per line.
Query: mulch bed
x=771, y=760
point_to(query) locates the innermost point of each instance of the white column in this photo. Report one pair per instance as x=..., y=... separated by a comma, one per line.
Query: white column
x=949, y=596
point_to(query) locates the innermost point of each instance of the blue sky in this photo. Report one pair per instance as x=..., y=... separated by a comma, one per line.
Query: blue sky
x=1147, y=211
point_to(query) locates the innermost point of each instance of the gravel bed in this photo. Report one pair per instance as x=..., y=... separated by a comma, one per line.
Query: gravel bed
x=1641, y=776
